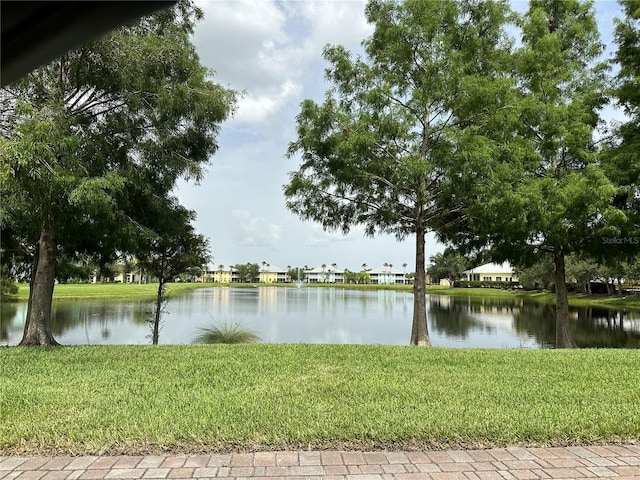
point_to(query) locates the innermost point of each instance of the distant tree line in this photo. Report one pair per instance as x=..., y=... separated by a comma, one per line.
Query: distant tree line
x=583, y=274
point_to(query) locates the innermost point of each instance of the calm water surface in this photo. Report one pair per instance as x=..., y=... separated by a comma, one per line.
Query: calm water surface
x=329, y=315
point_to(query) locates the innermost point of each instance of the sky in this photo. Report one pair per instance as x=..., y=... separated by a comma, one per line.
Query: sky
x=271, y=51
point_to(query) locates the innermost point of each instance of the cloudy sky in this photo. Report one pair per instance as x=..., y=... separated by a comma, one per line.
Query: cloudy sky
x=271, y=51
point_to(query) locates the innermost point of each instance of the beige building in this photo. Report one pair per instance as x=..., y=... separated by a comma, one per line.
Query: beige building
x=492, y=272
x=273, y=274
x=219, y=274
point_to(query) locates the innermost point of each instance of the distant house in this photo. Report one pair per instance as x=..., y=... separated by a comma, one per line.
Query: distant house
x=326, y=274
x=219, y=274
x=387, y=275
x=123, y=275
x=273, y=274
x=491, y=272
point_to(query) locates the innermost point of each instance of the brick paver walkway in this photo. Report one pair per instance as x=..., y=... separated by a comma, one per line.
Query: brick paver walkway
x=619, y=462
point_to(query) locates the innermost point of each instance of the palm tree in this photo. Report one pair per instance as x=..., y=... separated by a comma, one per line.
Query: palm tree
x=220, y=269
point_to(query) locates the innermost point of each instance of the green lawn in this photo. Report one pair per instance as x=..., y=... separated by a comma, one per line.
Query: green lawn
x=118, y=399
x=576, y=300
x=115, y=291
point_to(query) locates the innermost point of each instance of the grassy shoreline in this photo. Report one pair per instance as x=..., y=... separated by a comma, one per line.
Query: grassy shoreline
x=148, y=292
x=144, y=399
x=575, y=299
x=107, y=291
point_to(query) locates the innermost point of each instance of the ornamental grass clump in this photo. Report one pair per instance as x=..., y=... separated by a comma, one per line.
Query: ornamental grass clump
x=233, y=333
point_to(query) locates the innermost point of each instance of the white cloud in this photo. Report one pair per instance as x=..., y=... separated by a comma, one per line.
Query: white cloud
x=336, y=22
x=265, y=47
x=320, y=237
x=259, y=109
x=253, y=231
x=234, y=37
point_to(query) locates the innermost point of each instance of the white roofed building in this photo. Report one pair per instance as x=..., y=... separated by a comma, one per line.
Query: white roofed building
x=387, y=275
x=492, y=272
x=324, y=274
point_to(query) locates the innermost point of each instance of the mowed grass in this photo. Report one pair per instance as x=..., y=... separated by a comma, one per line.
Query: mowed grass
x=111, y=291
x=631, y=300
x=117, y=399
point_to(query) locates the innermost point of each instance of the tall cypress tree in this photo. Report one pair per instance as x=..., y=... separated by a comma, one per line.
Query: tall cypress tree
x=372, y=153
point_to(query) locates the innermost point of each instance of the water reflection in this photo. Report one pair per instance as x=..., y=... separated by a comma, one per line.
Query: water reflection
x=328, y=315
x=601, y=328
x=8, y=313
x=454, y=318
x=538, y=321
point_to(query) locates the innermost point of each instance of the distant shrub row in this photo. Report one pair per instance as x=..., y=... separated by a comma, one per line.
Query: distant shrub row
x=487, y=284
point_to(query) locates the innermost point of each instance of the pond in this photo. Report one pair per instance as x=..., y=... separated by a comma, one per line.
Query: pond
x=329, y=315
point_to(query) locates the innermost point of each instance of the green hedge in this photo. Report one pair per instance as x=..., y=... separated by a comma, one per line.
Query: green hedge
x=487, y=284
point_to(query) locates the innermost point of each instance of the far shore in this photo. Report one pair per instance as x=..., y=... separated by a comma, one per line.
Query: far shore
x=119, y=291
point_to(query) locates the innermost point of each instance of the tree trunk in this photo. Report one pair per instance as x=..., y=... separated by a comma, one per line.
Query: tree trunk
x=608, y=285
x=156, y=318
x=564, y=338
x=37, y=326
x=419, y=331
x=34, y=268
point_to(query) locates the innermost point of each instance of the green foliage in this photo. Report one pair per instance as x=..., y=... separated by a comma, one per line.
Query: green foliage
x=248, y=273
x=7, y=285
x=622, y=158
x=538, y=276
x=172, y=251
x=502, y=285
x=233, y=333
x=296, y=274
x=173, y=248
x=361, y=277
x=449, y=265
x=545, y=187
x=373, y=152
x=93, y=141
x=582, y=271
x=278, y=397
x=74, y=270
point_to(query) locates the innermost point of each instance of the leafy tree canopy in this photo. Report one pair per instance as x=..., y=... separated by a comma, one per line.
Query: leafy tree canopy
x=372, y=153
x=91, y=139
x=449, y=265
